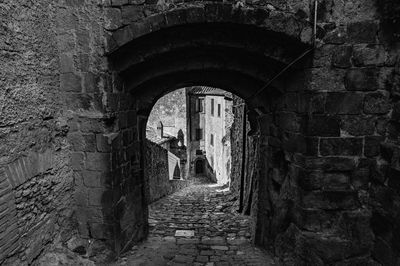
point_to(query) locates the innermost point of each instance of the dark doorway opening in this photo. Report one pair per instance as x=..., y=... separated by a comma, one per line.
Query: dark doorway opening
x=200, y=167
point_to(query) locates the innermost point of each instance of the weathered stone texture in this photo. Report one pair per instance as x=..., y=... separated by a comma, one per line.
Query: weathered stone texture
x=158, y=183
x=171, y=111
x=330, y=123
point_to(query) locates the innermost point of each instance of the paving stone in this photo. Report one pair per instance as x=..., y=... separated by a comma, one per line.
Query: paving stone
x=197, y=226
x=220, y=247
x=202, y=258
x=185, y=233
x=206, y=252
x=183, y=258
x=237, y=241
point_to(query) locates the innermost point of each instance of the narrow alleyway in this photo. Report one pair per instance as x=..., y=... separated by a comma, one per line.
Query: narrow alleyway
x=196, y=226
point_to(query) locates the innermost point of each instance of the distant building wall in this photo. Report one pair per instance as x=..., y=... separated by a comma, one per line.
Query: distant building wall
x=215, y=131
x=171, y=111
x=214, y=118
x=196, y=121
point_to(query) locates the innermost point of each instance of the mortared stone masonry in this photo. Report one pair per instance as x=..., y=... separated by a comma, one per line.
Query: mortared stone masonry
x=321, y=165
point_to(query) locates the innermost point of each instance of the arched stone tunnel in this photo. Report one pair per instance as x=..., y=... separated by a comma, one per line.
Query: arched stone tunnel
x=325, y=188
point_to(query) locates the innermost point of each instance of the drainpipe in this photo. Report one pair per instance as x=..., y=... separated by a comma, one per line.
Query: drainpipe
x=244, y=136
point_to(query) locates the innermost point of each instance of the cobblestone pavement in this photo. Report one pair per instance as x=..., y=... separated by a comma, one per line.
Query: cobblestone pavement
x=196, y=226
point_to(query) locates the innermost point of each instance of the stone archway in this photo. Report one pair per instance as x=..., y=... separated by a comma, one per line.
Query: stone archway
x=238, y=50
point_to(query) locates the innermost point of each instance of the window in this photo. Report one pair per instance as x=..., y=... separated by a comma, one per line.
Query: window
x=219, y=110
x=212, y=106
x=199, y=133
x=212, y=140
x=199, y=105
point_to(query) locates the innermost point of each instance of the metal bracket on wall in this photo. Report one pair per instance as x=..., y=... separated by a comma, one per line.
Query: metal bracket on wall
x=295, y=60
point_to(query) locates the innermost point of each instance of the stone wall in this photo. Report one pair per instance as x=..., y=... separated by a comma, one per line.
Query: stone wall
x=328, y=130
x=237, y=136
x=158, y=183
x=36, y=180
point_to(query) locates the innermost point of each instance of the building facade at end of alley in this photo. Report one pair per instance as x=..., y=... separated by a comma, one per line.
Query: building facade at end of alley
x=194, y=124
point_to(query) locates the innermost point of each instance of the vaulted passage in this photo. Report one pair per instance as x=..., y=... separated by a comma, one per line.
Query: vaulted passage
x=240, y=59
x=197, y=225
x=315, y=150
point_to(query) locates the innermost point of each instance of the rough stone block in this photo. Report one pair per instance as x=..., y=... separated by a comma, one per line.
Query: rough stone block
x=289, y=121
x=138, y=29
x=78, y=161
x=362, y=79
x=383, y=252
x=331, y=200
x=341, y=146
x=312, y=103
x=186, y=259
x=394, y=179
x=66, y=20
x=123, y=35
x=82, y=142
x=356, y=125
x=323, y=125
x=99, y=231
x=336, y=36
x=341, y=56
x=369, y=55
x=372, y=145
x=91, y=125
x=361, y=177
x=331, y=163
x=95, y=196
x=294, y=143
x=377, y=103
x=344, y=103
x=131, y=13
x=325, y=78
x=362, y=32
x=98, y=161
x=94, y=179
x=81, y=196
x=102, y=143
x=119, y=2
x=312, y=146
x=213, y=241
x=396, y=112
x=89, y=82
x=113, y=19
x=70, y=82
x=66, y=63
x=195, y=15
x=328, y=181
x=332, y=249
